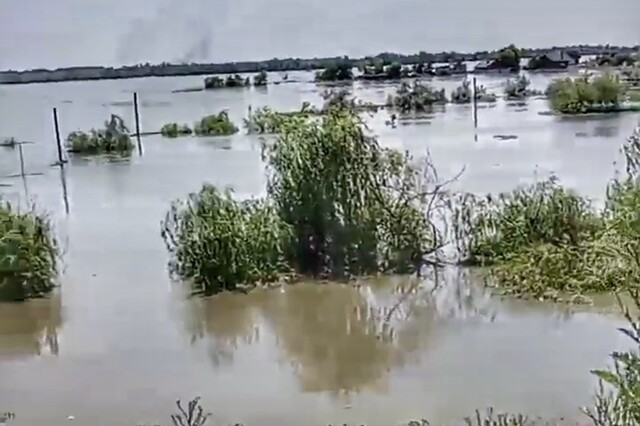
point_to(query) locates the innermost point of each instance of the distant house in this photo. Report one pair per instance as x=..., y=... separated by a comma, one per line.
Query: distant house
x=491, y=66
x=454, y=68
x=556, y=59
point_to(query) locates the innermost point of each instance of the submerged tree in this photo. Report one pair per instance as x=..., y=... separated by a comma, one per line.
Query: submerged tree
x=114, y=138
x=338, y=205
x=339, y=71
x=509, y=57
x=463, y=94
x=261, y=79
x=215, y=125
x=416, y=97
x=518, y=89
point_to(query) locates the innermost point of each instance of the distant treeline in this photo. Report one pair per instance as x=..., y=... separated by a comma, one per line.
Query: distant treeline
x=289, y=64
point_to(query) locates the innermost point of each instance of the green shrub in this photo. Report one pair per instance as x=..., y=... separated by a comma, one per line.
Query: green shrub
x=537, y=240
x=416, y=97
x=28, y=255
x=213, y=82
x=518, y=89
x=267, y=121
x=620, y=406
x=338, y=205
x=544, y=239
x=583, y=95
x=339, y=71
x=215, y=125
x=219, y=243
x=509, y=57
x=354, y=207
x=113, y=139
x=463, y=94
x=173, y=130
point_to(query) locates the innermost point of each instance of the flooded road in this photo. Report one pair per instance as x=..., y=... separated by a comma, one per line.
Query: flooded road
x=118, y=342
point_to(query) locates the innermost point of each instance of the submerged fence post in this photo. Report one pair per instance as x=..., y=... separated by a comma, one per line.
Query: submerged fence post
x=21, y=160
x=65, y=195
x=58, y=142
x=475, y=102
x=137, y=118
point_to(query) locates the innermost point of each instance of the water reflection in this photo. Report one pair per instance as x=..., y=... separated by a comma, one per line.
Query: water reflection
x=30, y=328
x=227, y=321
x=343, y=339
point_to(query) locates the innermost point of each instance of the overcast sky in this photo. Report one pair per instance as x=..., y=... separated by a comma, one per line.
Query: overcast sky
x=53, y=33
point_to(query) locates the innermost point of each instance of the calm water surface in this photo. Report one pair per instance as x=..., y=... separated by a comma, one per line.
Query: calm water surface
x=118, y=343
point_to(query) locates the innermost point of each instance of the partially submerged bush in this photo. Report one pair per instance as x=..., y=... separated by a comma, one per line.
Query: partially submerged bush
x=236, y=81
x=215, y=125
x=216, y=82
x=173, y=130
x=343, y=98
x=28, y=255
x=583, y=95
x=267, y=121
x=219, y=243
x=542, y=213
x=416, y=97
x=518, y=89
x=349, y=206
x=620, y=406
x=544, y=239
x=340, y=71
x=463, y=94
x=355, y=208
x=261, y=79
x=213, y=82
x=113, y=139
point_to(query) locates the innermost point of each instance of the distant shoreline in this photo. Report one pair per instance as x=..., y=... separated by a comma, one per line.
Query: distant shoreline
x=272, y=65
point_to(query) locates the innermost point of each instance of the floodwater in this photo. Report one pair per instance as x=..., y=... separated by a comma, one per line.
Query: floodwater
x=118, y=343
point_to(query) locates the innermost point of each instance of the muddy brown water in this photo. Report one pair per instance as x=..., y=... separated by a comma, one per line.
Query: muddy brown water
x=118, y=342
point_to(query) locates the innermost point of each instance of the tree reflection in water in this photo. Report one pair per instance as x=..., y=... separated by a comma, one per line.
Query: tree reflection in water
x=225, y=321
x=343, y=339
x=30, y=328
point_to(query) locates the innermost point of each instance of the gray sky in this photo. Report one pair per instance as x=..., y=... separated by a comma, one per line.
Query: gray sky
x=53, y=33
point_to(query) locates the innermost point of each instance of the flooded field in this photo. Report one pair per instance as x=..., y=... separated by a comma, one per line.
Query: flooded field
x=118, y=343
